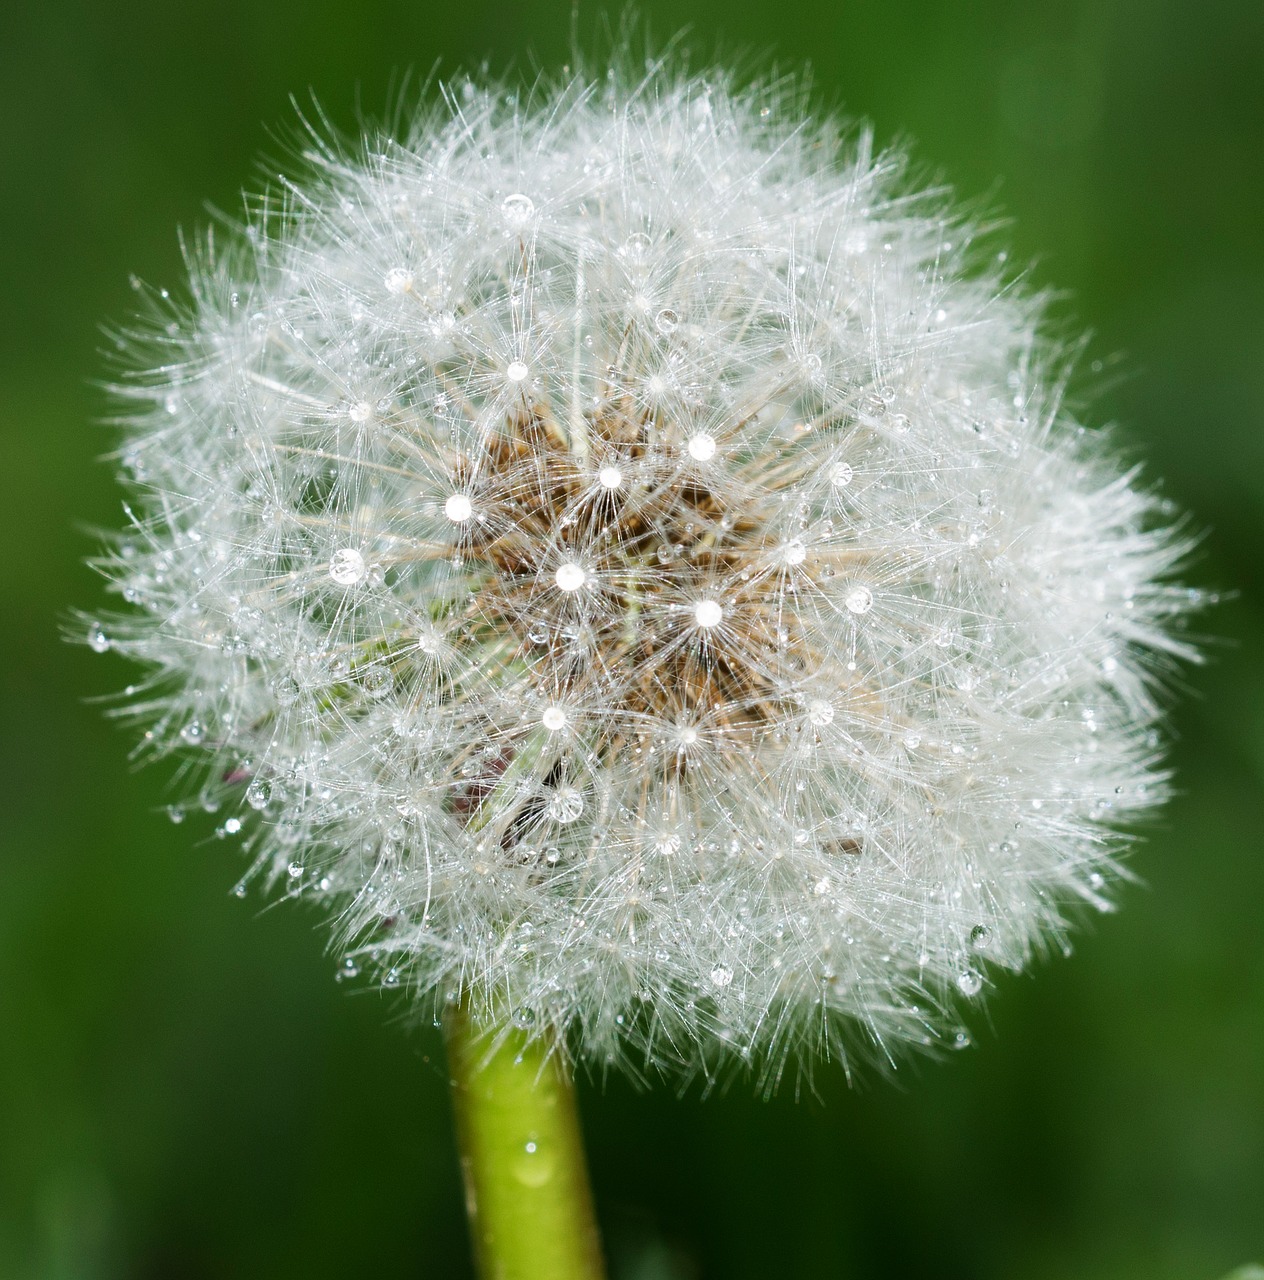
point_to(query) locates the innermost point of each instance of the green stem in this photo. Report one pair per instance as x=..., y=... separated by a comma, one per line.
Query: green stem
x=522, y=1158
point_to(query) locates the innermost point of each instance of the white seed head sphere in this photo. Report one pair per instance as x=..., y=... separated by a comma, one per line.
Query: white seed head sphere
x=912, y=613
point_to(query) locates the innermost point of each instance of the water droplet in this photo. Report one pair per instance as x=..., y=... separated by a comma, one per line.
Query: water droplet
x=258, y=794
x=820, y=712
x=534, y=1167
x=176, y=813
x=565, y=804
x=539, y=633
x=360, y=412
x=570, y=576
x=666, y=321
x=610, y=477
x=347, y=567
x=841, y=475
x=523, y=1018
x=912, y=741
x=970, y=982
x=458, y=508
x=721, y=976
x=231, y=826
x=348, y=969
x=294, y=870
x=701, y=447
x=980, y=937
x=398, y=280
x=553, y=719
x=517, y=208
x=517, y=371
x=794, y=552
x=812, y=365
x=859, y=599
x=961, y=1039
x=98, y=641
x=707, y=613
x=192, y=732
x=636, y=247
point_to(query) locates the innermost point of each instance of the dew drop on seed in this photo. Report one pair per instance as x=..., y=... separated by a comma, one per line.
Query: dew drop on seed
x=258, y=794
x=565, y=805
x=970, y=982
x=360, y=412
x=192, y=732
x=841, y=475
x=707, y=613
x=980, y=937
x=517, y=208
x=398, y=280
x=794, y=552
x=961, y=1039
x=458, y=508
x=666, y=321
x=347, y=567
x=721, y=976
x=294, y=870
x=553, y=719
x=570, y=576
x=610, y=477
x=539, y=633
x=98, y=641
x=701, y=447
x=636, y=247
x=820, y=712
x=859, y=599
x=516, y=371
x=175, y=813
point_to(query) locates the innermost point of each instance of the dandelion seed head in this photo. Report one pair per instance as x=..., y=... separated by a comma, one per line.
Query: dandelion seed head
x=835, y=690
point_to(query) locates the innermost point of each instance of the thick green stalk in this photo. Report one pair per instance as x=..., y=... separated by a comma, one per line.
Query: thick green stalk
x=522, y=1158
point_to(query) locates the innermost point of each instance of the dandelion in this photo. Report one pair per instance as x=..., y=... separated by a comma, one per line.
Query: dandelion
x=628, y=556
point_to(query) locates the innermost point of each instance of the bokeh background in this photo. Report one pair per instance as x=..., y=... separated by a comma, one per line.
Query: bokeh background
x=185, y=1091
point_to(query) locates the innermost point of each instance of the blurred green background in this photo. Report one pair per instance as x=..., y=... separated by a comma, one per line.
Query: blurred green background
x=186, y=1092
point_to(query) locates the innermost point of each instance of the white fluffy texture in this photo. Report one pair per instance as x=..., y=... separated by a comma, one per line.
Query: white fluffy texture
x=630, y=561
